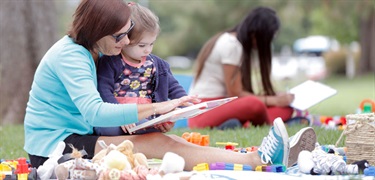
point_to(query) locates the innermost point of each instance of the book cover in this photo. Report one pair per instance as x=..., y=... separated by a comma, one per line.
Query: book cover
x=186, y=112
x=310, y=93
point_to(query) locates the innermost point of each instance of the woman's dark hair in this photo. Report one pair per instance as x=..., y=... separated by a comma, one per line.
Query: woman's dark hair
x=94, y=19
x=260, y=25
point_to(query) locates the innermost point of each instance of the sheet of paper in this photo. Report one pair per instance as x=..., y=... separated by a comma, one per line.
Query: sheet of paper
x=310, y=93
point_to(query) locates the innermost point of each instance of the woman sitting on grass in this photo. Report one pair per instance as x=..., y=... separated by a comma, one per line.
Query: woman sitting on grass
x=64, y=104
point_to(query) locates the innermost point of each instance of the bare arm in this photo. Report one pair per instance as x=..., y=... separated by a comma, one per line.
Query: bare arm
x=233, y=83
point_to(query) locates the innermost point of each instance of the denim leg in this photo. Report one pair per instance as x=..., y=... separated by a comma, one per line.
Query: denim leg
x=109, y=131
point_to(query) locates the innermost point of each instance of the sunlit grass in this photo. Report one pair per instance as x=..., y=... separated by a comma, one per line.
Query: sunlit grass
x=346, y=101
x=12, y=137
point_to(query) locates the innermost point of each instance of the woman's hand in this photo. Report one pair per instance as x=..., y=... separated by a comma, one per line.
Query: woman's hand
x=284, y=99
x=126, y=128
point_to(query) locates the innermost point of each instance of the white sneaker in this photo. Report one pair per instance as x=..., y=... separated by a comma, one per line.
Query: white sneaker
x=304, y=139
x=275, y=147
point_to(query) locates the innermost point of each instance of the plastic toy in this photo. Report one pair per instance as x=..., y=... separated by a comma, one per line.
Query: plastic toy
x=230, y=166
x=17, y=169
x=228, y=145
x=197, y=138
x=22, y=170
x=246, y=150
x=7, y=166
x=272, y=168
x=367, y=106
x=370, y=171
x=222, y=166
x=201, y=167
x=341, y=151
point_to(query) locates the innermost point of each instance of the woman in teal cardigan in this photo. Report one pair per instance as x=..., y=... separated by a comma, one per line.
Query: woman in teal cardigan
x=64, y=104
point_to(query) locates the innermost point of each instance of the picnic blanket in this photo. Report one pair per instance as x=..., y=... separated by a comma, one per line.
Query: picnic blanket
x=289, y=175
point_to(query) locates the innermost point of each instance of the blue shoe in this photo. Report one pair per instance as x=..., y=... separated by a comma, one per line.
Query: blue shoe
x=230, y=124
x=275, y=147
x=304, y=139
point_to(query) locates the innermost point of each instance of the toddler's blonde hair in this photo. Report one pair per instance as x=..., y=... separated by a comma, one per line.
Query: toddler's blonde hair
x=145, y=21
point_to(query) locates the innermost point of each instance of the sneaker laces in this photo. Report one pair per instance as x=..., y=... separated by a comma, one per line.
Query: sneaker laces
x=268, y=147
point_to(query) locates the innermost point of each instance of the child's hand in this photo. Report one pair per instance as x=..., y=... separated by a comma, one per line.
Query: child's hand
x=126, y=128
x=189, y=100
x=168, y=106
x=164, y=127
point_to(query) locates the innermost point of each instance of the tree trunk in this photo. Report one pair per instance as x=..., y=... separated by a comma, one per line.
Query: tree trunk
x=367, y=34
x=28, y=29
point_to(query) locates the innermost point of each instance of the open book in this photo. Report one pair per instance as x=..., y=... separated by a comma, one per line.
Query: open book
x=309, y=93
x=186, y=112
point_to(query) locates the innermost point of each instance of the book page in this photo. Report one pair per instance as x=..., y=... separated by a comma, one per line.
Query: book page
x=310, y=93
x=186, y=112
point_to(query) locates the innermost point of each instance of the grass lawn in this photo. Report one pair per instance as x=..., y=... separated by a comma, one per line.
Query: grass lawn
x=350, y=94
x=12, y=137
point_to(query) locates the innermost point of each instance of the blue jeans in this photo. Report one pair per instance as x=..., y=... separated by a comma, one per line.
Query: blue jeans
x=117, y=131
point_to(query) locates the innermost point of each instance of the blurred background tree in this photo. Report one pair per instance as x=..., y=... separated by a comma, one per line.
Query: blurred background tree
x=29, y=27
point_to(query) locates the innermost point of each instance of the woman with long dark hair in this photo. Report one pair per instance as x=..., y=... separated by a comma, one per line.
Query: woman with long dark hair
x=237, y=62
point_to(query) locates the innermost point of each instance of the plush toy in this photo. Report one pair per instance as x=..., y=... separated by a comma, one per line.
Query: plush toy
x=319, y=162
x=116, y=163
x=172, y=163
x=77, y=168
x=126, y=148
x=120, y=162
x=45, y=171
x=171, y=168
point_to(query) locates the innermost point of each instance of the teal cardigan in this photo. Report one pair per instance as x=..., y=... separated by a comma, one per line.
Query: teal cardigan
x=64, y=99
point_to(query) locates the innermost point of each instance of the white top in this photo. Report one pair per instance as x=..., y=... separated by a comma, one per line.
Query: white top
x=227, y=50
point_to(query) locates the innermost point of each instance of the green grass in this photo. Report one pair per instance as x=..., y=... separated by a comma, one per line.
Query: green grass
x=350, y=94
x=12, y=137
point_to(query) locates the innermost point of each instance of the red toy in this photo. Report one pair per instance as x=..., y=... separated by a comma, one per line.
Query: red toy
x=22, y=170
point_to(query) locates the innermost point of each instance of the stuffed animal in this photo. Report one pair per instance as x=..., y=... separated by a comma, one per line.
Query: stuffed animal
x=116, y=163
x=120, y=162
x=319, y=162
x=172, y=163
x=110, y=163
x=45, y=171
x=77, y=168
x=126, y=148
